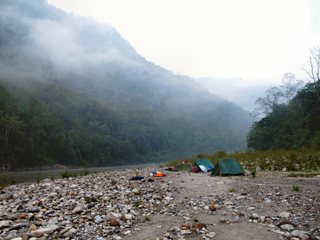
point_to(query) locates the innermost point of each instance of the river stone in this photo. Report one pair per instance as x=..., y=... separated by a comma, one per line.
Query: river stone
x=112, y=215
x=128, y=216
x=98, y=219
x=116, y=237
x=18, y=226
x=213, y=207
x=135, y=191
x=70, y=233
x=284, y=214
x=4, y=224
x=46, y=230
x=114, y=223
x=287, y=227
x=77, y=209
x=34, y=209
x=211, y=235
x=299, y=233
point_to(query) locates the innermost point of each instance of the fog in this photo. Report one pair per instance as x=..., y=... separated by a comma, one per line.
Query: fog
x=235, y=90
x=84, y=94
x=54, y=45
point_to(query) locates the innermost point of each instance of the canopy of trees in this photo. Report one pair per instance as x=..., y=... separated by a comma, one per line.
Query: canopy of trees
x=294, y=125
x=75, y=92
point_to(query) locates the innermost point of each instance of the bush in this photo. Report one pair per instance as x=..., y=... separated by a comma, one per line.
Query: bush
x=68, y=174
x=295, y=188
x=253, y=172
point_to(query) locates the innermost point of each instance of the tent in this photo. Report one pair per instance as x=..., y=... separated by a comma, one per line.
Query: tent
x=228, y=166
x=205, y=165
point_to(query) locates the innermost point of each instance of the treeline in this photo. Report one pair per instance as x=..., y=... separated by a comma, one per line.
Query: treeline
x=52, y=125
x=295, y=125
x=94, y=101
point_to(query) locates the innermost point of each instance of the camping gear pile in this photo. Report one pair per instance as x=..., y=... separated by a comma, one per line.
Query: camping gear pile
x=224, y=167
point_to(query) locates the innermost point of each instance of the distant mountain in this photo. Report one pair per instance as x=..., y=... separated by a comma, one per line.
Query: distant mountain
x=235, y=90
x=75, y=92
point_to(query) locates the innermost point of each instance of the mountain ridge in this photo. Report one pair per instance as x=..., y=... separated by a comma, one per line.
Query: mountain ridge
x=71, y=69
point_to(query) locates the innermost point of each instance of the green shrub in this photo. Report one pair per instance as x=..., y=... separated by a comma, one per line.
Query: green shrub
x=67, y=174
x=253, y=172
x=295, y=188
x=84, y=172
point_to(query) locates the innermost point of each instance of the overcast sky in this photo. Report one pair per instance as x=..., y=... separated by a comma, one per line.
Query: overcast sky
x=257, y=40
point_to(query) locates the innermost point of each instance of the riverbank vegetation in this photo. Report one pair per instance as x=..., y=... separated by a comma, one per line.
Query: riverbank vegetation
x=277, y=160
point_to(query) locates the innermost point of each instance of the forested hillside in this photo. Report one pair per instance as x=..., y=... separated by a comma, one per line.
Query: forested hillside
x=74, y=92
x=295, y=125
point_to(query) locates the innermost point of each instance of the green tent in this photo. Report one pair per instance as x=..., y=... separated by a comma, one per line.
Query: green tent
x=228, y=166
x=205, y=163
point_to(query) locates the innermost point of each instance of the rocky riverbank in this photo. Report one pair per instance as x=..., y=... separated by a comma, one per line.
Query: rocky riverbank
x=178, y=206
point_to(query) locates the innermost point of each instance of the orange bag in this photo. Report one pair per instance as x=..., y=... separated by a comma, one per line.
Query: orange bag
x=159, y=174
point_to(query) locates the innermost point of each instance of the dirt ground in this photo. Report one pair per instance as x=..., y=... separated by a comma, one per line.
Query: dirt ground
x=247, y=196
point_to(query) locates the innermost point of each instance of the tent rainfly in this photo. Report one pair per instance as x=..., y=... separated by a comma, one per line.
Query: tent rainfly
x=205, y=165
x=228, y=167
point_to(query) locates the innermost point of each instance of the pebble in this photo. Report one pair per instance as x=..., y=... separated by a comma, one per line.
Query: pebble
x=98, y=219
x=287, y=227
x=46, y=230
x=108, y=206
x=284, y=214
x=4, y=224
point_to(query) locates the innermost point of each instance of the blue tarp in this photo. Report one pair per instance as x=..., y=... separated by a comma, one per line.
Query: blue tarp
x=206, y=163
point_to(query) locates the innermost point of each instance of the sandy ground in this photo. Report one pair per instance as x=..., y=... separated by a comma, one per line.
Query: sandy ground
x=193, y=187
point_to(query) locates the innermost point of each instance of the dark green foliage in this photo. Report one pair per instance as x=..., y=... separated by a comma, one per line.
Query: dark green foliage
x=67, y=174
x=254, y=172
x=52, y=125
x=292, y=126
x=92, y=100
x=85, y=172
x=295, y=188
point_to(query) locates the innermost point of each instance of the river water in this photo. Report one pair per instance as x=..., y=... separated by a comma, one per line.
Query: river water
x=34, y=176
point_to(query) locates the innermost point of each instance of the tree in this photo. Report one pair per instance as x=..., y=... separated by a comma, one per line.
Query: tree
x=290, y=86
x=278, y=95
x=313, y=65
x=313, y=68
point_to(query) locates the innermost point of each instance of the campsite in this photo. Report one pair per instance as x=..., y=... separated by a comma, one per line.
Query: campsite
x=159, y=120
x=164, y=203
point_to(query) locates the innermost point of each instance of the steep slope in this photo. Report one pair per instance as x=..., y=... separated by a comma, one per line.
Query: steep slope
x=106, y=104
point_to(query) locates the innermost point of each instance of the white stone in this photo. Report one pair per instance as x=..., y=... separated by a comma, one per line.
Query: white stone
x=287, y=227
x=77, y=209
x=284, y=214
x=4, y=224
x=211, y=234
x=70, y=233
x=128, y=216
x=41, y=231
x=298, y=233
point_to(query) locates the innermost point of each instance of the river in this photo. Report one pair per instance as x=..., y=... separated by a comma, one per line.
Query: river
x=34, y=176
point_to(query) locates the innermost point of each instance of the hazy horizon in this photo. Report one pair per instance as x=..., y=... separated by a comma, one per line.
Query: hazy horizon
x=256, y=42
